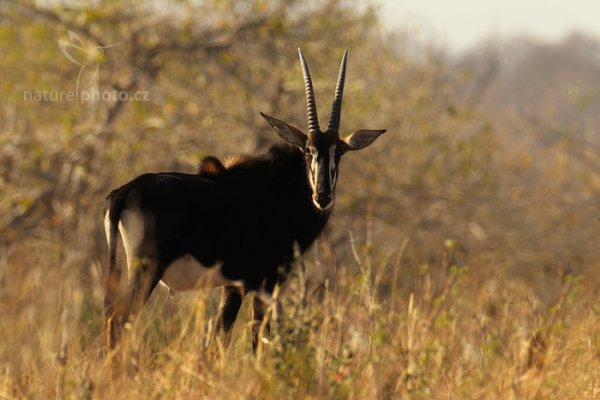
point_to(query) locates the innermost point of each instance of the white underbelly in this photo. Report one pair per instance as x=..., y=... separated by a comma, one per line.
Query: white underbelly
x=186, y=273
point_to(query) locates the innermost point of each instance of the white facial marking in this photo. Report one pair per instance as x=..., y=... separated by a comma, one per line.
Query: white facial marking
x=314, y=170
x=314, y=167
x=332, y=165
x=186, y=273
x=316, y=204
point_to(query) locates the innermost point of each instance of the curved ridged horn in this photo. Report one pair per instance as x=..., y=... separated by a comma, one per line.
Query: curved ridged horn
x=311, y=104
x=336, y=108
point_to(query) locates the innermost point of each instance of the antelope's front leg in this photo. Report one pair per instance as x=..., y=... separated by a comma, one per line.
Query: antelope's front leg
x=231, y=300
x=259, y=308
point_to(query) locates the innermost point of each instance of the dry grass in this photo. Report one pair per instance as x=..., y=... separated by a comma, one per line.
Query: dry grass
x=464, y=334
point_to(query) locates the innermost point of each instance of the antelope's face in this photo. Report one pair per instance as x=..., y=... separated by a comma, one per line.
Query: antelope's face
x=323, y=150
x=322, y=153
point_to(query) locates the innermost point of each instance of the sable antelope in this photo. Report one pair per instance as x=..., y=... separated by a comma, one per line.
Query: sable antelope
x=233, y=225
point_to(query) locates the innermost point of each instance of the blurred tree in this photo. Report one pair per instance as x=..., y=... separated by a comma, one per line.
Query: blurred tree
x=181, y=79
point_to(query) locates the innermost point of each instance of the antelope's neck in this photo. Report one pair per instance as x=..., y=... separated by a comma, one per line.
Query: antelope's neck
x=309, y=220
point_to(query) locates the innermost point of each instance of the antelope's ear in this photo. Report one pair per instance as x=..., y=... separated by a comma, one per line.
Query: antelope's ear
x=287, y=132
x=360, y=139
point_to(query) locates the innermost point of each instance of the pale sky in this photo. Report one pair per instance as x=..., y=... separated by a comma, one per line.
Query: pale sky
x=459, y=24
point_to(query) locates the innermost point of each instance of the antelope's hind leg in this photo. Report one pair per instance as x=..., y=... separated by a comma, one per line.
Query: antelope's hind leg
x=143, y=279
x=143, y=273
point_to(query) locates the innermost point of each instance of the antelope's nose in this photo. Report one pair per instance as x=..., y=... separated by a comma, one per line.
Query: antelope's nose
x=323, y=199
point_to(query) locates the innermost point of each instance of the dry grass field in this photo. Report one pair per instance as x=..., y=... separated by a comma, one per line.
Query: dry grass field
x=461, y=261
x=464, y=334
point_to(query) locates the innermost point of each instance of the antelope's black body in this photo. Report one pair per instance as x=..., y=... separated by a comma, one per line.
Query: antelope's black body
x=244, y=219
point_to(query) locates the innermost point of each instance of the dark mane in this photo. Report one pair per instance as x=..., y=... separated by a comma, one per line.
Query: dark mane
x=211, y=166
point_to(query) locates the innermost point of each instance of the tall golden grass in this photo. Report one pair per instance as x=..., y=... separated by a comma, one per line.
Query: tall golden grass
x=464, y=331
